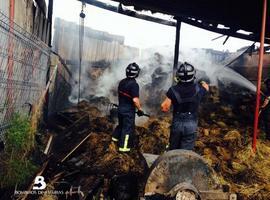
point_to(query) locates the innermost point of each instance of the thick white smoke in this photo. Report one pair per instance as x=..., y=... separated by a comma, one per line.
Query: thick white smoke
x=149, y=61
x=159, y=61
x=156, y=73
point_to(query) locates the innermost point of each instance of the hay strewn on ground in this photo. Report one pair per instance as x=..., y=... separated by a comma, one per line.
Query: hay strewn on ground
x=224, y=140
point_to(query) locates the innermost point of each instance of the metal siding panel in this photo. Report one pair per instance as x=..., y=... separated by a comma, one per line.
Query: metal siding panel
x=4, y=7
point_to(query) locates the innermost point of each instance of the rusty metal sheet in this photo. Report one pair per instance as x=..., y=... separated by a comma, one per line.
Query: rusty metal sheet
x=180, y=166
x=217, y=195
x=150, y=158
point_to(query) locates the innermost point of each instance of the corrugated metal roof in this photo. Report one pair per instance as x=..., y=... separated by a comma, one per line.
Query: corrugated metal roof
x=236, y=14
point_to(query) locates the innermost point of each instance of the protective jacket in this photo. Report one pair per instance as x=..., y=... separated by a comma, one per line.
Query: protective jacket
x=185, y=98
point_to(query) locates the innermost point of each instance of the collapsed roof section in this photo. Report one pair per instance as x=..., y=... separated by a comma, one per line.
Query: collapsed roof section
x=241, y=18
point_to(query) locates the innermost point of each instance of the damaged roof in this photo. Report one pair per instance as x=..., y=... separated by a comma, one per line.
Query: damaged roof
x=235, y=15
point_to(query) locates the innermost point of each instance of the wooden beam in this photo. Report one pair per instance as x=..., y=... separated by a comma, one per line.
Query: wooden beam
x=207, y=20
x=50, y=13
x=128, y=12
x=48, y=146
x=36, y=21
x=40, y=26
x=76, y=147
x=44, y=30
x=209, y=12
x=48, y=35
x=223, y=31
x=176, y=48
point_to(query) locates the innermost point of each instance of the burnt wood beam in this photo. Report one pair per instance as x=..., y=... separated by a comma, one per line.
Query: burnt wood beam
x=176, y=48
x=50, y=14
x=130, y=13
x=228, y=32
x=145, y=5
x=225, y=12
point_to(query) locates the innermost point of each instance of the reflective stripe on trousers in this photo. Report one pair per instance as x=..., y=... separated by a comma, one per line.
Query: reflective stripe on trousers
x=123, y=133
x=125, y=148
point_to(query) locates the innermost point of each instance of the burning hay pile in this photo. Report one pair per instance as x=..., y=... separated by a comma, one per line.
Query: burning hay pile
x=224, y=140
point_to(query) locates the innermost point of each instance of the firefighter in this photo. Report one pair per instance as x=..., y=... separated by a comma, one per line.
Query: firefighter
x=266, y=109
x=185, y=97
x=128, y=97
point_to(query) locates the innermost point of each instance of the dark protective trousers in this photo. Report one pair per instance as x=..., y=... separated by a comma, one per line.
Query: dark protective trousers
x=183, y=131
x=124, y=132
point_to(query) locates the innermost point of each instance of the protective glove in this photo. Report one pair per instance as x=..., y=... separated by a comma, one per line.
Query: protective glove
x=203, y=82
x=140, y=113
x=205, y=85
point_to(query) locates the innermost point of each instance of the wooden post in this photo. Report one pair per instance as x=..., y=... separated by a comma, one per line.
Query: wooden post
x=50, y=13
x=176, y=48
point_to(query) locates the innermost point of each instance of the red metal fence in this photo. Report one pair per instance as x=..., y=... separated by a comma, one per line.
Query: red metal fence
x=24, y=61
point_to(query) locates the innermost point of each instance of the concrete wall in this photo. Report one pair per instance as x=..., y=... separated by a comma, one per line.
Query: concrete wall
x=30, y=16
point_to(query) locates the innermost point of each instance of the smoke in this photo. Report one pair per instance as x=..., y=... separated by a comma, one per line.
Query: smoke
x=107, y=83
x=156, y=74
x=156, y=63
x=212, y=66
x=105, y=58
x=85, y=85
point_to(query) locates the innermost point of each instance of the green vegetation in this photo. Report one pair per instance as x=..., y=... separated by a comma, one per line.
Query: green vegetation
x=18, y=137
x=17, y=171
x=17, y=168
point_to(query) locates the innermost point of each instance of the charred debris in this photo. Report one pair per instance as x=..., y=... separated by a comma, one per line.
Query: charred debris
x=79, y=158
x=83, y=161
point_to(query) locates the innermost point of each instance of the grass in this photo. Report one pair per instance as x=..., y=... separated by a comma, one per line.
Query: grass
x=18, y=137
x=17, y=168
x=17, y=172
